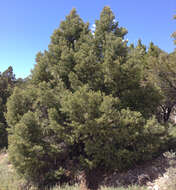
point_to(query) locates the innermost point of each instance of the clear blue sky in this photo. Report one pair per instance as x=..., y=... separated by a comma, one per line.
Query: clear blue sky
x=26, y=25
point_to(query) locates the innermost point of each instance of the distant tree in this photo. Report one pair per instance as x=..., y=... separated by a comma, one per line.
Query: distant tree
x=167, y=83
x=7, y=82
x=86, y=107
x=161, y=70
x=174, y=33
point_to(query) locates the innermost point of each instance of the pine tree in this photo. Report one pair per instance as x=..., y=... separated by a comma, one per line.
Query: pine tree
x=7, y=82
x=86, y=107
x=160, y=71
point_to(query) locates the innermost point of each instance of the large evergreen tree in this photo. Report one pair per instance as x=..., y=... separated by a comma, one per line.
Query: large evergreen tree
x=87, y=107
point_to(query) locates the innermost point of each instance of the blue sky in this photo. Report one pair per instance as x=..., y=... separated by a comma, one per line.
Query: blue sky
x=26, y=25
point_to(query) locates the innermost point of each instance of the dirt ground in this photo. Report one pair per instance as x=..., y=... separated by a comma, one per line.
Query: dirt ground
x=159, y=174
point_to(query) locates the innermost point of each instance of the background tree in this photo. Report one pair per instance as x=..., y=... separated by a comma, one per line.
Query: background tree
x=7, y=82
x=167, y=76
x=174, y=34
x=160, y=71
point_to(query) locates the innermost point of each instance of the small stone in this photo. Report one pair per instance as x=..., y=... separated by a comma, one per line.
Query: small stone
x=156, y=187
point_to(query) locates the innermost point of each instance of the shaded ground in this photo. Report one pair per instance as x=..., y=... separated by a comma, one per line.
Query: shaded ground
x=159, y=174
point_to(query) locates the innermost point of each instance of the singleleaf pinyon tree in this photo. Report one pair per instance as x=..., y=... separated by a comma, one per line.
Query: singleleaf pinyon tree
x=86, y=108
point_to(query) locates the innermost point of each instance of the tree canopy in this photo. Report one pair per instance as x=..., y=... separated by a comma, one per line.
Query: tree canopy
x=89, y=104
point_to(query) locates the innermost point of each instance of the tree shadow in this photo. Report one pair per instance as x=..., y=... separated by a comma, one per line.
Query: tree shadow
x=140, y=174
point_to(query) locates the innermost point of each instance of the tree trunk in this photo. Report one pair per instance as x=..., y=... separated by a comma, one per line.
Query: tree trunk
x=90, y=180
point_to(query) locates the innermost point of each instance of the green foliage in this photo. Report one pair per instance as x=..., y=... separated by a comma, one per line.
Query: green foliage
x=31, y=138
x=87, y=106
x=161, y=71
x=174, y=33
x=7, y=82
x=98, y=122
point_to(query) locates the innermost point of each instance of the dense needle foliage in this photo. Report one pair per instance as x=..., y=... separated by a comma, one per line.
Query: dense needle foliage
x=90, y=104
